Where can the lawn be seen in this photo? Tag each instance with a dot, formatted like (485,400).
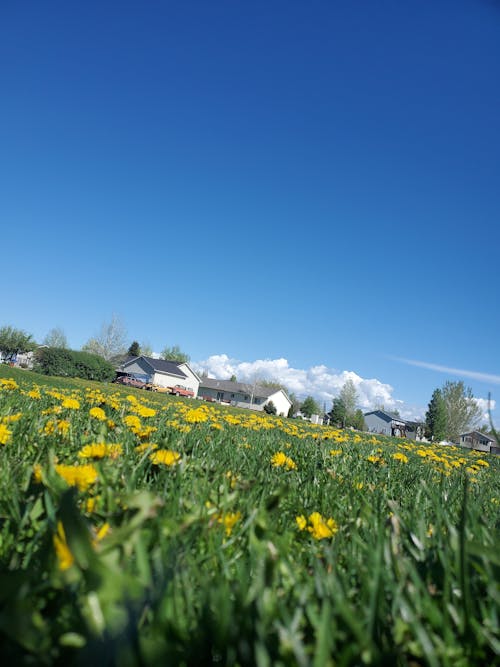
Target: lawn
(140,529)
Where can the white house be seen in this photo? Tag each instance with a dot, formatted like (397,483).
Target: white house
(243,395)
(478,440)
(161,372)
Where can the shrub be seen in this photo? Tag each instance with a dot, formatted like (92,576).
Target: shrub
(270,408)
(71,363)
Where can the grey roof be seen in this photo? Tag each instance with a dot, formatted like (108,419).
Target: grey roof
(160,365)
(483,435)
(237,387)
(385,413)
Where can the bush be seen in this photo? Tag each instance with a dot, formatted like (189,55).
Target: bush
(71,363)
(270,408)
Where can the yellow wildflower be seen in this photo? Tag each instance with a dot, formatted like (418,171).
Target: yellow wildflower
(196,415)
(146,446)
(335,452)
(399,456)
(8,384)
(165,457)
(64,555)
(143,411)
(79,476)
(5,434)
(99,450)
(9,419)
(63,426)
(281,460)
(37,473)
(71,404)
(97,413)
(229,520)
(319,527)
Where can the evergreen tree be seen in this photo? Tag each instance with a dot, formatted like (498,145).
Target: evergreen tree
(435,417)
(338,412)
(134,350)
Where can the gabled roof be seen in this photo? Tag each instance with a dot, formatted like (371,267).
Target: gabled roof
(159,365)
(229,386)
(389,415)
(480,433)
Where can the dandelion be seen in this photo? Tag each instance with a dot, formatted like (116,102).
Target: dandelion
(100,450)
(63,426)
(9,419)
(165,456)
(71,404)
(229,520)
(37,473)
(8,384)
(145,447)
(64,555)
(5,434)
(399,456)
(196,416)
(335,452)
(281,460)
(97,413)
(80,476)
(319,527)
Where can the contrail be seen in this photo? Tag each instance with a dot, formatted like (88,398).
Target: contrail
(474,375)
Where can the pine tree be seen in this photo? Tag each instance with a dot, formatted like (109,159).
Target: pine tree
(435,417)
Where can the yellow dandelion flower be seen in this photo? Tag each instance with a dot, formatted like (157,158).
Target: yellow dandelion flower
(143,411)
(165,457)
(9,419)
(281,460)
(301,522)
(8,384)
(335,452)
(146,446)
(196,416)
(71,404)
(80,476)
(321,529)
(37,473)
(97,413)
(64,555)
(482,462)
(399,456)
(99,450)
(229,520)
(63,426)
(5,434)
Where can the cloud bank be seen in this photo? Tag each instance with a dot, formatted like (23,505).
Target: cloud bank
(321,382)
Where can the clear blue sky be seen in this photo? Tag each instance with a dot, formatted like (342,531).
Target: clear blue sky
(317,181)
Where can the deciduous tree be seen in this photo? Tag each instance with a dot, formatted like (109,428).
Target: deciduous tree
(309,407)
(14,341)
(175,353)
(56,338)
(110,341)
(462,411)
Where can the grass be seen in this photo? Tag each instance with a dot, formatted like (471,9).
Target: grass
(220,557)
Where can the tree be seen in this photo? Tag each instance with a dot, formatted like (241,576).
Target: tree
(462,411)
(435,417)
(56,338)
(14,341)
(146,349)
(349,397)
(134,350)
(175,353)
(295,407)
(110,341)
(232,378)
(309,407)
(270,408)
(338,413)
(357,421)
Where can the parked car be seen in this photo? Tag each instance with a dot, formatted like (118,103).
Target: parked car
(156,387)
(180,390)
(129,381)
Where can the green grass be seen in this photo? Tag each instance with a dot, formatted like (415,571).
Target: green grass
(204,561)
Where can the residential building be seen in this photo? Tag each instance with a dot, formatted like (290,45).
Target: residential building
(161,372)
(388,423)
(479,441)
(243,395)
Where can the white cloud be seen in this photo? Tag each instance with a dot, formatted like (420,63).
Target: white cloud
(319,381)
(483,404)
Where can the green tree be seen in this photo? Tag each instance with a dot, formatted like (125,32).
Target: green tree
(232,378)
(309,407)
(134,350)
(110,341)
(146,349)
(349,397)
(175,353)
(338,413)
(270,408)
(14,341)
(357,421)
(295,407)
(56,338)
(435,417)
(462,411)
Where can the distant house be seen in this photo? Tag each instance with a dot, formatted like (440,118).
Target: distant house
(479,441)
(388,423)
(161,372)
(242,395)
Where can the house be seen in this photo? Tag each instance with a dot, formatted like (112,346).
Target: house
(161,372)
(242,395)
(479,441)
(388,423)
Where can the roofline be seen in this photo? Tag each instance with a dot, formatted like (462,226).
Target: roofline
(140,356)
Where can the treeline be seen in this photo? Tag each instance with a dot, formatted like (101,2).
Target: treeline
(71,363)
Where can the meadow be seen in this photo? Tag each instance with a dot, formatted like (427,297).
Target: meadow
(139,529)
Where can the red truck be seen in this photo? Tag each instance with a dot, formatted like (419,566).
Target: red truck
(180,390)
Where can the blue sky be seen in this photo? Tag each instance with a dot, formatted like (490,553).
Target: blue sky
(315,182)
